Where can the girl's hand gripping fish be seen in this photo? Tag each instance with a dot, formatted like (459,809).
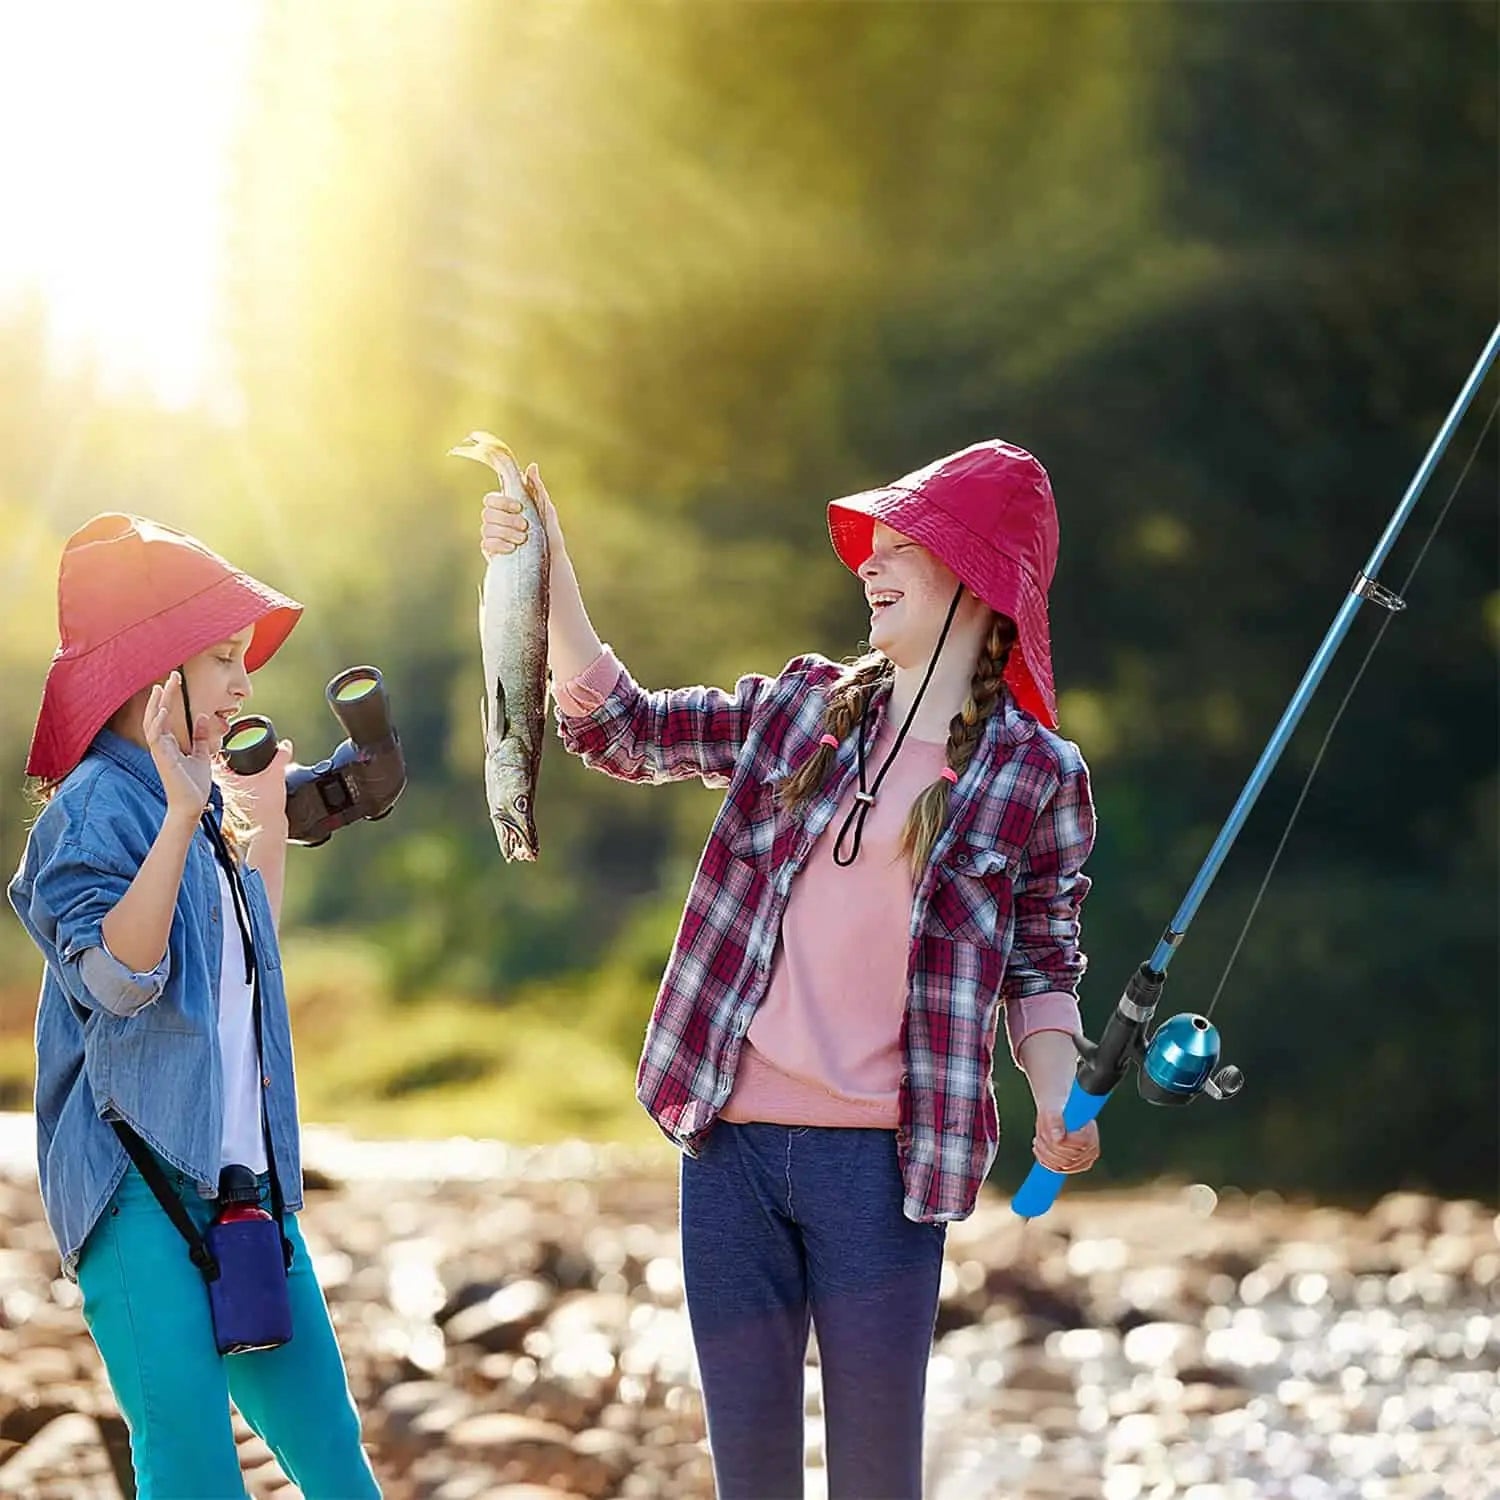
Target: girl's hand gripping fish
(513,605)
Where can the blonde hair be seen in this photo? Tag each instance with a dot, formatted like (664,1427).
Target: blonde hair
(846,703)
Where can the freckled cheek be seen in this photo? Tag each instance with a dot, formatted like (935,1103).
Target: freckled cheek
(926,599)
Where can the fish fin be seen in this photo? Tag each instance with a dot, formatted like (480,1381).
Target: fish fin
(500,708)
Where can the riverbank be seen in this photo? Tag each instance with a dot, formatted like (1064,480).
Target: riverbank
(512,1316)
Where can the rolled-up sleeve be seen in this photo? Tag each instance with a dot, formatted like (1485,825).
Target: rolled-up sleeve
(118,988)
(1055,1011)
(584,693)
(73,892)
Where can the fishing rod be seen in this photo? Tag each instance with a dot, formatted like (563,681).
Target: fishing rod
(1179,1059)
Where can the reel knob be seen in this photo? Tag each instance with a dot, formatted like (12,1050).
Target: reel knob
(1226,1083)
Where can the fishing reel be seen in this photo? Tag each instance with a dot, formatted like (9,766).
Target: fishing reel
(1181,1061)
(361,779)
(1177,1060)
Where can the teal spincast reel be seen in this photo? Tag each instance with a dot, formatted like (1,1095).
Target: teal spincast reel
(1182,1061)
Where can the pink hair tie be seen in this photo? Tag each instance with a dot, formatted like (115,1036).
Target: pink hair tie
(949,774)
(829,740)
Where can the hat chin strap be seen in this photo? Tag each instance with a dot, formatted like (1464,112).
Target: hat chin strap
(187,705)
(864,800)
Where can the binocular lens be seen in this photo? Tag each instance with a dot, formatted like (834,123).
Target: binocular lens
(357,698)
(250,745)
(356,688)
(240,740)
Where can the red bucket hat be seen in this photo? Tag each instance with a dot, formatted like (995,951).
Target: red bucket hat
(986,512)
(134,600)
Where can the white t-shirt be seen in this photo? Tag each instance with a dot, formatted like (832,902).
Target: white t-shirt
(243,1141)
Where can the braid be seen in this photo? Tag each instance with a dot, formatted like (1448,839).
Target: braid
(846,699)
(929,813)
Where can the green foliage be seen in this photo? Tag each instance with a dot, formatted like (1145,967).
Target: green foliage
(1221,267)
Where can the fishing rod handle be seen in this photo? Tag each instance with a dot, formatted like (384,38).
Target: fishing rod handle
(1040,1189)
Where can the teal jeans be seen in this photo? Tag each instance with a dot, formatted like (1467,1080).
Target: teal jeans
(147,1309)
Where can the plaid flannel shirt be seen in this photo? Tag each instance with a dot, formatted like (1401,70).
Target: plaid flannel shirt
(994,919)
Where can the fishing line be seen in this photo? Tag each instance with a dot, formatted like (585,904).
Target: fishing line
(1179,1059)
(1385,625)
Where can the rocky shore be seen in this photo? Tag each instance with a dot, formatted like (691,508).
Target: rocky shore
(514,1330)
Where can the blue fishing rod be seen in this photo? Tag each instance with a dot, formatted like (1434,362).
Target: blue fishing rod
(1179,1059)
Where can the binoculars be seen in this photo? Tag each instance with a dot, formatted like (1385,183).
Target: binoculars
(361,779)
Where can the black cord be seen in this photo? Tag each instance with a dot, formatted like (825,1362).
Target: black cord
(864,800)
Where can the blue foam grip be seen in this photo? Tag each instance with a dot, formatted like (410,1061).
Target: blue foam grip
(1040,1189)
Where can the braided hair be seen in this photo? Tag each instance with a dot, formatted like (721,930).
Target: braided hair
(847,699)
(929,813)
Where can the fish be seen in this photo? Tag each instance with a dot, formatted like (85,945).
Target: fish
(513,604)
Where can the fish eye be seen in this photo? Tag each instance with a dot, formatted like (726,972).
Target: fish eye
(522,802)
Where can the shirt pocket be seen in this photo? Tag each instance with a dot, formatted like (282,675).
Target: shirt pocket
(760,820)
(971,894)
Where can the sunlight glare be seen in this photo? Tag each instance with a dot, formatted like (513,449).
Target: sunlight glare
(116,123)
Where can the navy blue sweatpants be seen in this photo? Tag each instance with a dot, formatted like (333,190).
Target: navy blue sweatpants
(785,1225)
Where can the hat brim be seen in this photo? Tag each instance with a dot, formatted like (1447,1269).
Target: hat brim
(83,691)
(990,573)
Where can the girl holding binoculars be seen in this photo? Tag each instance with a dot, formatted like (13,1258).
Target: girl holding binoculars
(164,1051)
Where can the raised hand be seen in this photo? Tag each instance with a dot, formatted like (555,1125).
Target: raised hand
(186,776)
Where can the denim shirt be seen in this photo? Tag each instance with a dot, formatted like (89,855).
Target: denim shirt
(143,1048)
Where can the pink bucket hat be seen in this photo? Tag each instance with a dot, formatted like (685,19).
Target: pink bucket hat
(134,600)
(986,512)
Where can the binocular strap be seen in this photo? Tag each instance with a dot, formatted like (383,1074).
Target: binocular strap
(146,1164)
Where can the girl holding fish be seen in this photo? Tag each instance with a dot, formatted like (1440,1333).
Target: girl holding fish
(163,1044)
(897,863)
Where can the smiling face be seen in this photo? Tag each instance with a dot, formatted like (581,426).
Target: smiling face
(909,592)
(218,685)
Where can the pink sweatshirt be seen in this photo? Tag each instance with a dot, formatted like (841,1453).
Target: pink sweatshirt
(825,1045)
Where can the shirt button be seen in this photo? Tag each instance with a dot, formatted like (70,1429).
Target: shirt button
(213,916)
(265,1082)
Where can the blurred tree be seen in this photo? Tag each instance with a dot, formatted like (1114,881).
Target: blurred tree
(1221,267)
